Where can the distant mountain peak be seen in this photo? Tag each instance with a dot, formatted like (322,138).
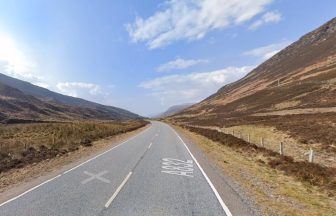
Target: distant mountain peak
(174,110)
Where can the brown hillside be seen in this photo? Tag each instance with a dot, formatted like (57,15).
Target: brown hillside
(294,92)
(15,106)
(305,70)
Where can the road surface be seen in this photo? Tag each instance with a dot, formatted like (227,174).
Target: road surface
(153,173)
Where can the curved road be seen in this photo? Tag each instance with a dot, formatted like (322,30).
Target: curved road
(153,173)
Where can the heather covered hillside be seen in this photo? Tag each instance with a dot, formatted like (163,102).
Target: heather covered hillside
(292,95)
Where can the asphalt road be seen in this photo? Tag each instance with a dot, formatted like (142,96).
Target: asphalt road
(152,173)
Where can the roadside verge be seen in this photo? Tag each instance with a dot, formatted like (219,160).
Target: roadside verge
(266,189)
(17,181)
(230,192)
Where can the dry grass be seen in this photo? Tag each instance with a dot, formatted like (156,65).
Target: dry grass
(313,174)
(298,111)
(296,148)
(16,181)
(29,143)
(272,138)
(286,104)
(275,192)
(317,129)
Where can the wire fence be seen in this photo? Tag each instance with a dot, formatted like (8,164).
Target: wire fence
(300,152)
(262,141)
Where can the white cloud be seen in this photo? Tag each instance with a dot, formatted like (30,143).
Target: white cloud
(192,20)
(42,84)
(78,89)
(269,17)
(102,94)
(14,61)
(180,63)
(175,89)
(268,51)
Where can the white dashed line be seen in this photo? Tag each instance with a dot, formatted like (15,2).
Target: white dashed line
(118,190)
(49,180)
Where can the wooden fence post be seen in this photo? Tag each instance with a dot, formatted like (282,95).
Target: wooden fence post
(262,141)
(281,151)
(248,137)
(311,156)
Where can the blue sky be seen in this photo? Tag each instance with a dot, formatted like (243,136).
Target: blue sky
(146,56)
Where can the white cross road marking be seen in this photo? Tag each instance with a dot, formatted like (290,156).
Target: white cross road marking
(96,176)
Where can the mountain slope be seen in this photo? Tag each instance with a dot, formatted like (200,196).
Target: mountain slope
(174,109)
(15,106)
(294,91)
(298,75)
(47,96)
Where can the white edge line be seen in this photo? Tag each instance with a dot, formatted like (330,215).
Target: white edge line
(115,194)
(30,190)
(219,198)
(73,168)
